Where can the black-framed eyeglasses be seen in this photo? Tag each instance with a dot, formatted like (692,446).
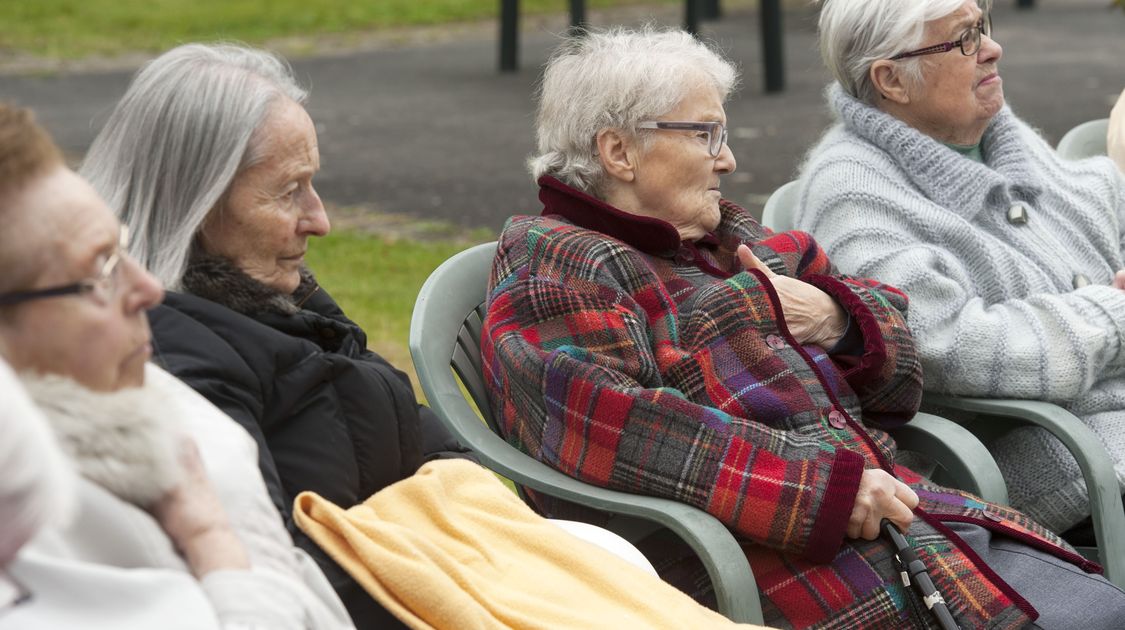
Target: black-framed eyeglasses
(716,132)
(102,286)
(12,593)
(969,43)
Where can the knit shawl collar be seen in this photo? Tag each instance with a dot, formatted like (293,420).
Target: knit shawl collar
(218,280)
(647,234)
(944,176)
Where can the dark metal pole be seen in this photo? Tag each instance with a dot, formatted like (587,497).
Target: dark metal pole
(577,17)
(711,10)
(691,16)
(772,49)
(509,35)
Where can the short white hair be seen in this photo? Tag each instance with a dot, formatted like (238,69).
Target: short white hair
(856,33)
(615,79)
(175,142)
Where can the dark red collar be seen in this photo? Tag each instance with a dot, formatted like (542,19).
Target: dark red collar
(651,236)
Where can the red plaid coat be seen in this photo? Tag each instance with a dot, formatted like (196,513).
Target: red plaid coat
(625,358)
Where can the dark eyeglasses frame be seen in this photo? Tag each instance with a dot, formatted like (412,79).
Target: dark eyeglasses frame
(713,129)
(77,288)
(973,34)
(22,594)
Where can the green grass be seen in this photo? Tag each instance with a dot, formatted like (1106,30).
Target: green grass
(77,28)
(375,280)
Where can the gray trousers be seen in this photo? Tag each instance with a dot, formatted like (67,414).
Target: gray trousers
(1066,597)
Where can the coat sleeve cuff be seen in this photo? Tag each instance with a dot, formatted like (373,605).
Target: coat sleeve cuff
(851,342)
(874,354)
(836,507)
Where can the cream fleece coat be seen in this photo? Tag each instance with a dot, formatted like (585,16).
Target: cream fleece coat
(115,568)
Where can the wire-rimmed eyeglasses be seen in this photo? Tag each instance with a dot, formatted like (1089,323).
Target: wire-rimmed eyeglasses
(716,132)
(969,43)
(102,286)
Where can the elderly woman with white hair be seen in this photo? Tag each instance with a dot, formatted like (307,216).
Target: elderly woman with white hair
(209,159)
(646,335)
(1012,257)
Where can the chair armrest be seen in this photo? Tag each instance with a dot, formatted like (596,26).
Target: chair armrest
(965,459)
(1097,467)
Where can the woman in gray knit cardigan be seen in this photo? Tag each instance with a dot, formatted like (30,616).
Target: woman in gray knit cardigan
(1012,257)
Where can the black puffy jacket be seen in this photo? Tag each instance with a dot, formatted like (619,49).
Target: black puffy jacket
(328,414)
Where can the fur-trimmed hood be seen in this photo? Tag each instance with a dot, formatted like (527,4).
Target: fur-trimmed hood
(124,441)
(218,280)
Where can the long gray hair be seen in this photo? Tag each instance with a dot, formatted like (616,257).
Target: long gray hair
(177,139)
(614,80)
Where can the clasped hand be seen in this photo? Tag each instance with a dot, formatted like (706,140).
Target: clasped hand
(811,315)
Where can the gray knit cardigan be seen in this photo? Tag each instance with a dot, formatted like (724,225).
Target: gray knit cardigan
(999,307)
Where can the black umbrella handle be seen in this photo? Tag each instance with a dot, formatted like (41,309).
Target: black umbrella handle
(914,572)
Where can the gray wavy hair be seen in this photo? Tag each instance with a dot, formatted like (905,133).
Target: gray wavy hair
(175,142)
(615,79)
(856,33)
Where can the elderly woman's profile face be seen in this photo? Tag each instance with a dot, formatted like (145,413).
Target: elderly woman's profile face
(98,337)
(676,178)
(272,209)
(958,94)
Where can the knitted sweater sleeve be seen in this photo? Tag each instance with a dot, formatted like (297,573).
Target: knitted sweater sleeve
(1042,346)
(576,379)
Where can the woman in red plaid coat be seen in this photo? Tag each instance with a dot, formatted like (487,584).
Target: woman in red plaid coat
(645,335)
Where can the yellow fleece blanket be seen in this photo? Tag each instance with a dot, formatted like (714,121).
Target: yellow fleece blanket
(452,547)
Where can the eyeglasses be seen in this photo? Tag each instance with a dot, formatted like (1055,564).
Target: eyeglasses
(12,593)
(969,42)
(103,287)
(714,132)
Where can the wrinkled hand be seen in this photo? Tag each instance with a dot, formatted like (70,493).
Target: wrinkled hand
(195,520)
(880,496)
(812,316)
(1115,138)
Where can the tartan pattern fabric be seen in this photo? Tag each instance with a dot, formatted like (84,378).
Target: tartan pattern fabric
(673,374)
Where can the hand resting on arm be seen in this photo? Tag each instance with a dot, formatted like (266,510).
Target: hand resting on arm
(812,316)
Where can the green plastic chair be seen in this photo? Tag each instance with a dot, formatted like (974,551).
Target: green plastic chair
(1085,140)
(445,340)
(778,213)
(989,418)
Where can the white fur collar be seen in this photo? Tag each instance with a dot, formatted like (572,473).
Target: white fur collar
(123,441)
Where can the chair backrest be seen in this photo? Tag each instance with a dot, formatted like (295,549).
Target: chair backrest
(778,213)
(1085,140)
(445,332)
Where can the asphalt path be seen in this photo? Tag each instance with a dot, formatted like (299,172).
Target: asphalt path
(432,130)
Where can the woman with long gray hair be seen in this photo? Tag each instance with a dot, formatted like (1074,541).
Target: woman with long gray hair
(209,160)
